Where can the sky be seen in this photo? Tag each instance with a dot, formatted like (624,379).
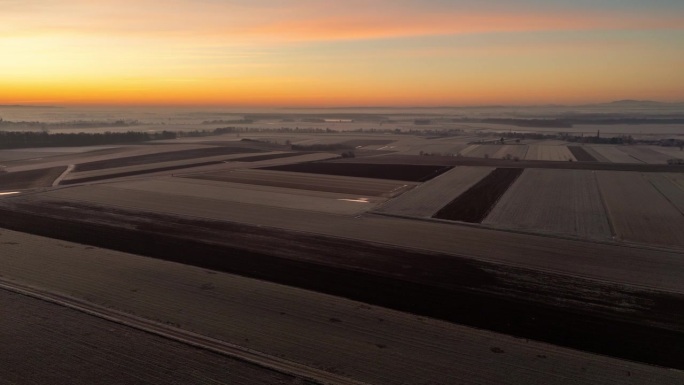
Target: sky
(325,53)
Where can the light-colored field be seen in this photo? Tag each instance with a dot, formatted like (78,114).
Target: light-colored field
(645,154)
(484,151)
(367,343)
(667,185)
(593,152)
(44,343)
(514,150)
(211,193)
(556,201)
(615,155)
(638,212)
(65,159)
(669,152)
(426,199)
(316,182)
(549,152)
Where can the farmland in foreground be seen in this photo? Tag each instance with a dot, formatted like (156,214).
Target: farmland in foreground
(328,332)
(44,343)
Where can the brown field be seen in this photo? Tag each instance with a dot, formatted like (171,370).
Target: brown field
(320,330)
(161,157)
(514,150)
(557,201)
(595,154)
(484,150)
(474,204)
(638,212)
(315,182)
(405,172)
(615,155)
(553,153)
(670,152)
(259,158)
(220,195)
(669,188)
(21,180)
(426,199)
(645,154)
(44,343)
(581,154)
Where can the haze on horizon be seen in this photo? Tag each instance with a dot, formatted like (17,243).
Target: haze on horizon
(266,53)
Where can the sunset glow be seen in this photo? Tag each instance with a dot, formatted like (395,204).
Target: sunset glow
(324,53)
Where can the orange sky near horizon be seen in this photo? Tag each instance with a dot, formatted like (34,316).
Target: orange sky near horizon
(318,53)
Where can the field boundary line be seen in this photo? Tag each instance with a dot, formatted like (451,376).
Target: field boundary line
(66,172)
(182,336)
(609,214)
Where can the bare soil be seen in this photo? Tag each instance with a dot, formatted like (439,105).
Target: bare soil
(597,316)
(163,157)
(581,154)
(405,172)
(473,205)
(21,180)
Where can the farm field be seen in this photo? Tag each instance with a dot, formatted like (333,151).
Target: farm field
(615,155)
(594,153)
(645,154)
(44,343)
(404,172)
(670,152)
(219,195)
(474,204)
(315,182)
(513,150)
(327,332)
(669,187)
(483,151)
(426,199)
(549,153)
(556,201)
(638,212)
(581,154)
(29,179)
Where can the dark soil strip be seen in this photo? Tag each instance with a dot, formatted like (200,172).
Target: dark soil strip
(581,154)
(162,157)
(367,142)
(604,318)
(473,205)
(406,172)
(257,158)
(134,173)
(30,179)
(491,162)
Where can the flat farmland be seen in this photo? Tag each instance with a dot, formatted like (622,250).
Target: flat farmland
(555,201)
(215,194)
(595,154)
(474,204)
(319,330)
(638,211)
(428,198)
(670,152)
(554,153)
(44,343)
(362,187)
(645,154)
(484,150)
(581,154)
(514,150)
(615,155)
(405,172)
(667,185)
(20,180)
(160,157)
